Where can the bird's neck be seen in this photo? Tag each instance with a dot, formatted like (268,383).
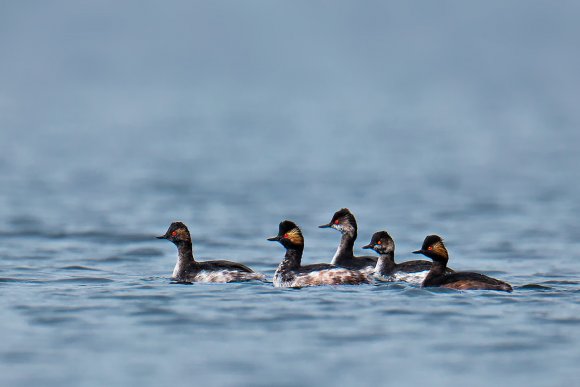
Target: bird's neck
(437,271)
(385,264)
(184,258)
(292,259)
(345,250)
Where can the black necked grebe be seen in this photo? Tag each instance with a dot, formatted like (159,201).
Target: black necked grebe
(343,220)
(188,269)
(290,273)
(410,271)
(434,248)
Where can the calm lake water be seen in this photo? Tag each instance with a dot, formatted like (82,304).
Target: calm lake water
(455,119)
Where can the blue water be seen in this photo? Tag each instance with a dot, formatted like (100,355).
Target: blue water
(452,118)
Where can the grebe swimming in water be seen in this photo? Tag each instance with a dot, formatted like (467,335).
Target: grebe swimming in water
(434,248)
(290,273)
(343,220)
(410,271)
(187,269)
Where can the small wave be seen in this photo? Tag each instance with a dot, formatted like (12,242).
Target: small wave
(175,320)
(53,320)
(110,259)
(19,280)
(155,311)
(398,312)
(381,286)
(344,338)
(82,280)
(422,292)
(509,347)
(25,268)
(79,267)
(534,287)
(149,297)
(143,252)
(564,320)
(7,279)
(561,282)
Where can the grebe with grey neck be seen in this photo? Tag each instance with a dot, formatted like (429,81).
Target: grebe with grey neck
(343,220)
(434,248)
(187,269)
(291,273)
(387,269)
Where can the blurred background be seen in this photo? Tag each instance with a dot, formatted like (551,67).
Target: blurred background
(321,99)
(450,117)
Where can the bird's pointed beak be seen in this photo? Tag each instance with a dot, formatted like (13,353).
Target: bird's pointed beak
(328,225)
(274,239)
(369,246)
(418,252)
(161,237)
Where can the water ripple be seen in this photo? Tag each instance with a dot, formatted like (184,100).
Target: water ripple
(79,267)
(81,280)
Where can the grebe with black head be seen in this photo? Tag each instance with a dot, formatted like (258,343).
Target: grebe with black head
(291,273)
(343,220)
(387,269)
(434,248)
(187,269)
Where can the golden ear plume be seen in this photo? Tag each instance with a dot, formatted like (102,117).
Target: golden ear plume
(295,236)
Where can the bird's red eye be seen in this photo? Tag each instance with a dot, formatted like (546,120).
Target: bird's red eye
(379,242)
(336,221)
(285,236)
(174,233)
(430,248)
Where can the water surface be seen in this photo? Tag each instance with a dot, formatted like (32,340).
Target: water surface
(455,119)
